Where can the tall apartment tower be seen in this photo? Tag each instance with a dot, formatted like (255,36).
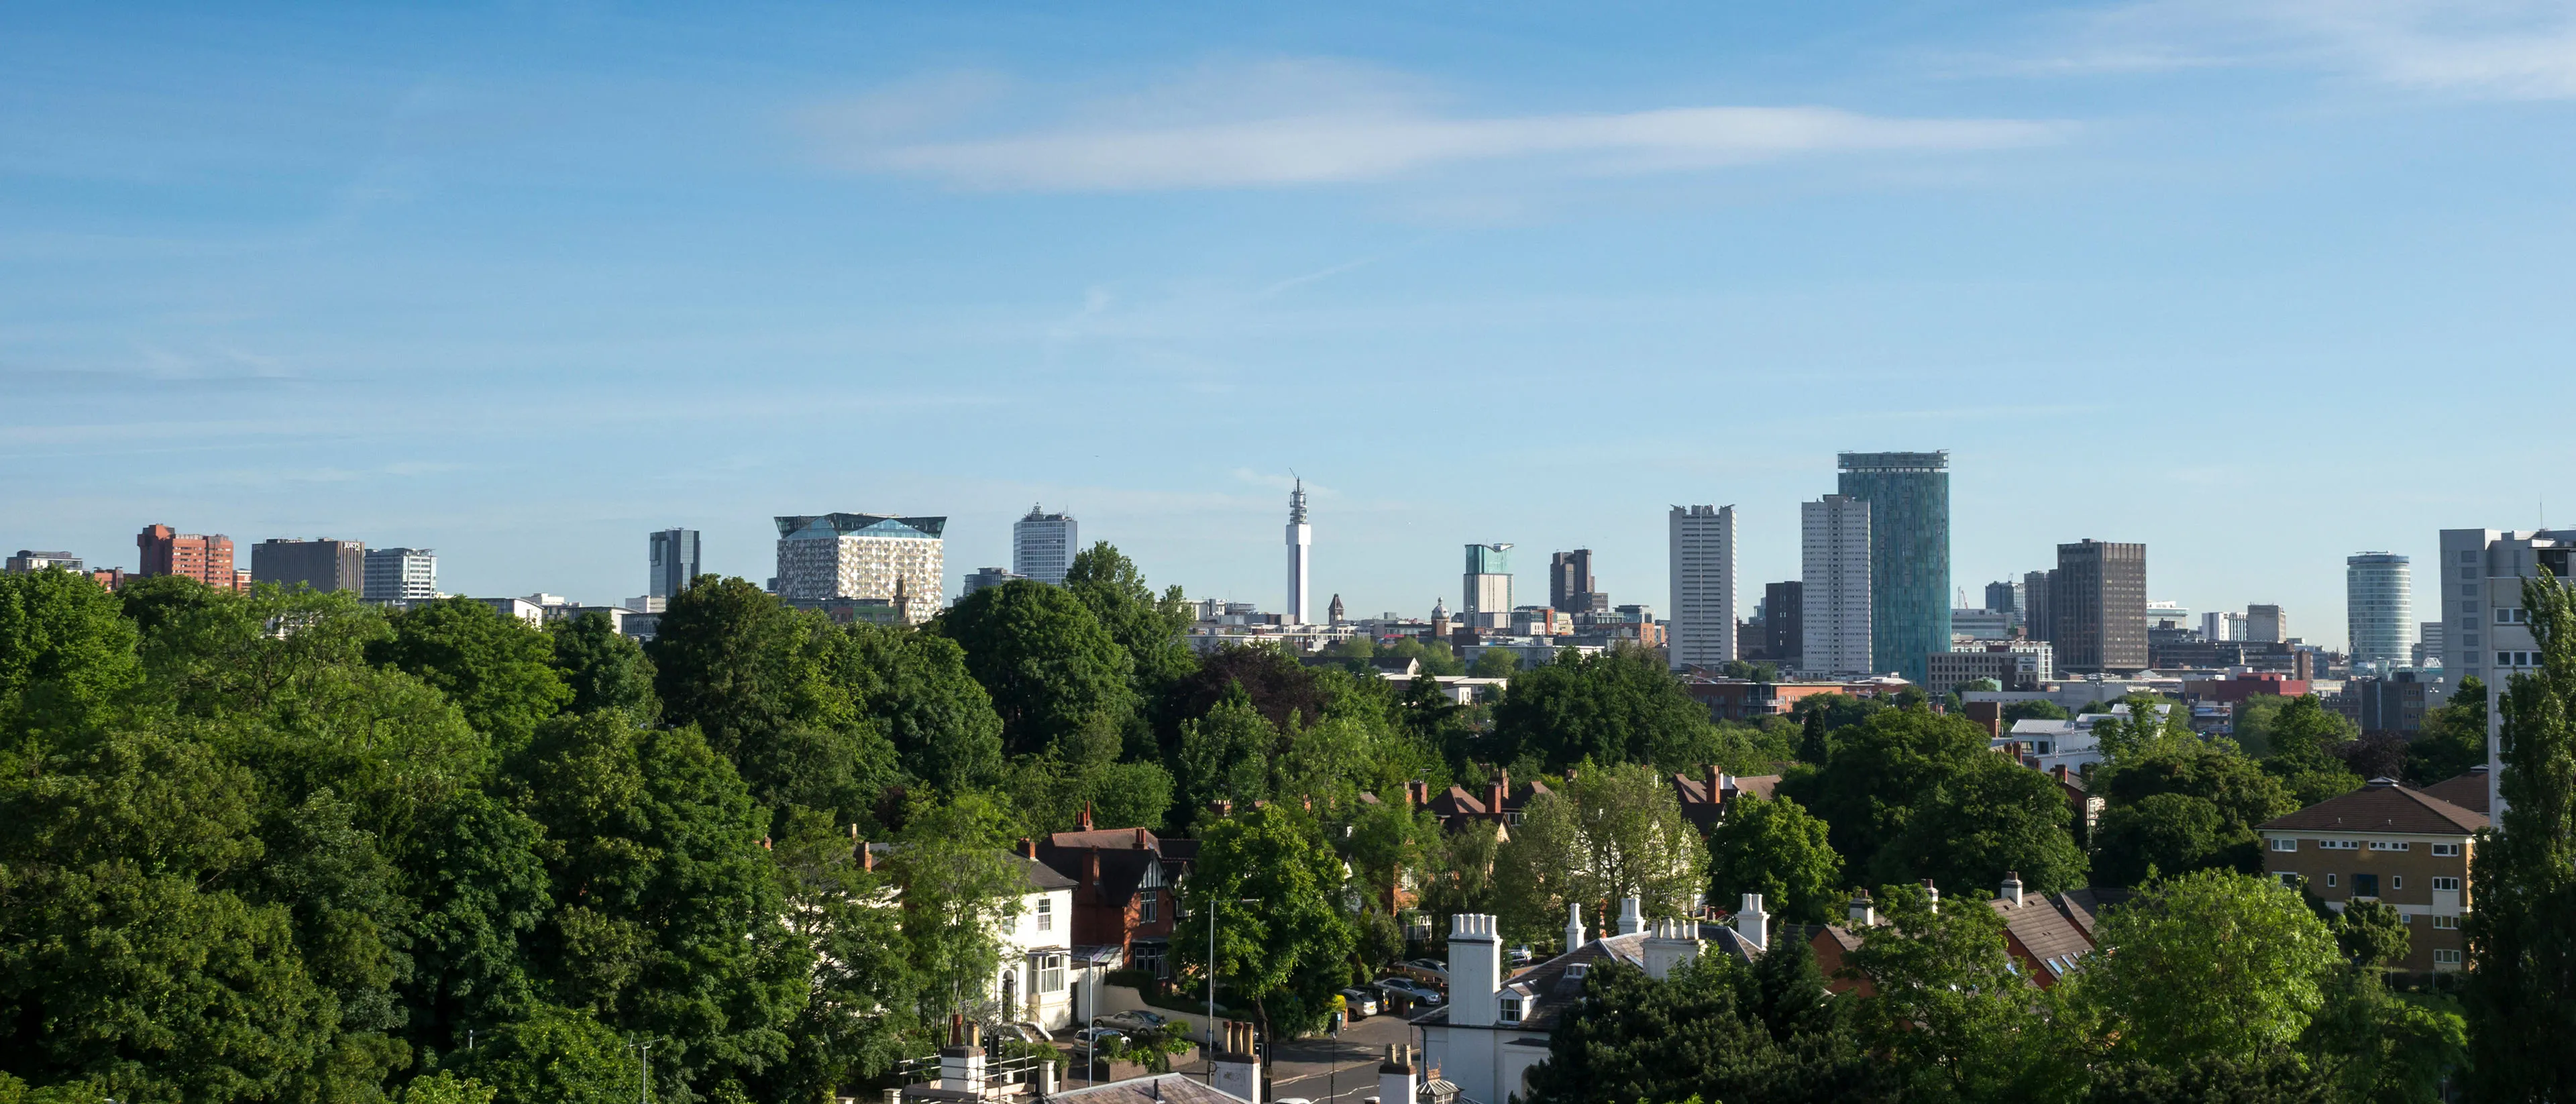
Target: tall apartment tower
(402,574)
(2003,597)
(207,559)
(2379,607)
(323,565)
(675,562)
(2267,624)
(2478,590)
(2036,612)
(1835,605)
(1569,583)
(1784,624)
(1909,557)
(1700,631)
(2098,594)
(827,556)
(1043,546)
(1488,586)
(1301,541)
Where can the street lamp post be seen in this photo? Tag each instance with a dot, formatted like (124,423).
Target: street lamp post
(1207,1050)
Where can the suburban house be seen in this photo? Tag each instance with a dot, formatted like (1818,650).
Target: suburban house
(1704,799)
(2046,934)
(1495,1027)
(2385,842)
(1037,977)
(1125,892)
(1500,802)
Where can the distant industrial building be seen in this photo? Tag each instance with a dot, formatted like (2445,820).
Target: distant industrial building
(675,563)
(1909,530)
(401,574)
(1043,546)
(2098,596)
(1835,605)
(900,560)
(1700,629)
(323,565)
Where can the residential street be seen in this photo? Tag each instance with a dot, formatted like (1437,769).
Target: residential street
(1345,1069)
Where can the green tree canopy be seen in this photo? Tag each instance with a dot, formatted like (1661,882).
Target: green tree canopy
(496,668)
(1052,671)
(2454,739)
(2161,835)
(1880,769)
(1701,1033)
(604,669)
(1948,1004)
(1286,955)
(1776,849)
(2208,964)
(940,720)
(1622,706)
(1147,626)
(2037,709)
(1226,755)
(2522,935)
(1610,834)
(1495,663)
(67,655)
(1991,817)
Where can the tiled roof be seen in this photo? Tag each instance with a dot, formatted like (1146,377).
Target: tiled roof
(1040,875)
(2382,806)
(2049,935)
(1132,838)
(2470,791)
(2084,906)
(1121,870)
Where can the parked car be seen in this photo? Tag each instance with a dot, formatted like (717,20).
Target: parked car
(1409,989)
(1137,1022)
(1359,1003)
(1098,1036)
(1429,970)
(1519,956)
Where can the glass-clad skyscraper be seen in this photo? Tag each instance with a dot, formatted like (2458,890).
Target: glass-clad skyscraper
(1909,554)
(675,562)
(2379,607)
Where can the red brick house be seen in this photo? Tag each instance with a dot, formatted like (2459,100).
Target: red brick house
(1126,888)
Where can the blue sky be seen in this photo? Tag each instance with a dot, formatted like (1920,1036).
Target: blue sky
(2261,283)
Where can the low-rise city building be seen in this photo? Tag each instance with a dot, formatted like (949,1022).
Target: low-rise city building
(2402,847)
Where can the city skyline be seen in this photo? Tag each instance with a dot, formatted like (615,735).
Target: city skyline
(225,260)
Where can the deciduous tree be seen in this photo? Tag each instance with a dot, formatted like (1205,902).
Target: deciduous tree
(1772,847)
(2522,935)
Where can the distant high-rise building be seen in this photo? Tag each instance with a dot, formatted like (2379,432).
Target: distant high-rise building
(675,563)
(26,561)
(1488,586)
(2098,594)
(1700,630)
(207,559)
(401,574)
(2430,642)
(1301,541)
(826,556)
(324,565)
(2003,597)
(1909,559)
(1783,624)
(986,578)
(1043,546)
(2266,624)
(1569,582)
(2379,605)
(2478,589)
(1835,604)
(2035,611)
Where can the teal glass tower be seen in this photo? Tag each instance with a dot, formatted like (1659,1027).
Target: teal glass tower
(1909,554)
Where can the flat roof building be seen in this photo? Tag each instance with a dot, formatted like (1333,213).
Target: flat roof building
(1909,557)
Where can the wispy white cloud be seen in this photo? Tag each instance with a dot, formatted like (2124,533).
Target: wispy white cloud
(2518,49)
(1292,124)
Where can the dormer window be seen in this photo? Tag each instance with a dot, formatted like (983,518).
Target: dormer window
(1577,970)
(1510,1008)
